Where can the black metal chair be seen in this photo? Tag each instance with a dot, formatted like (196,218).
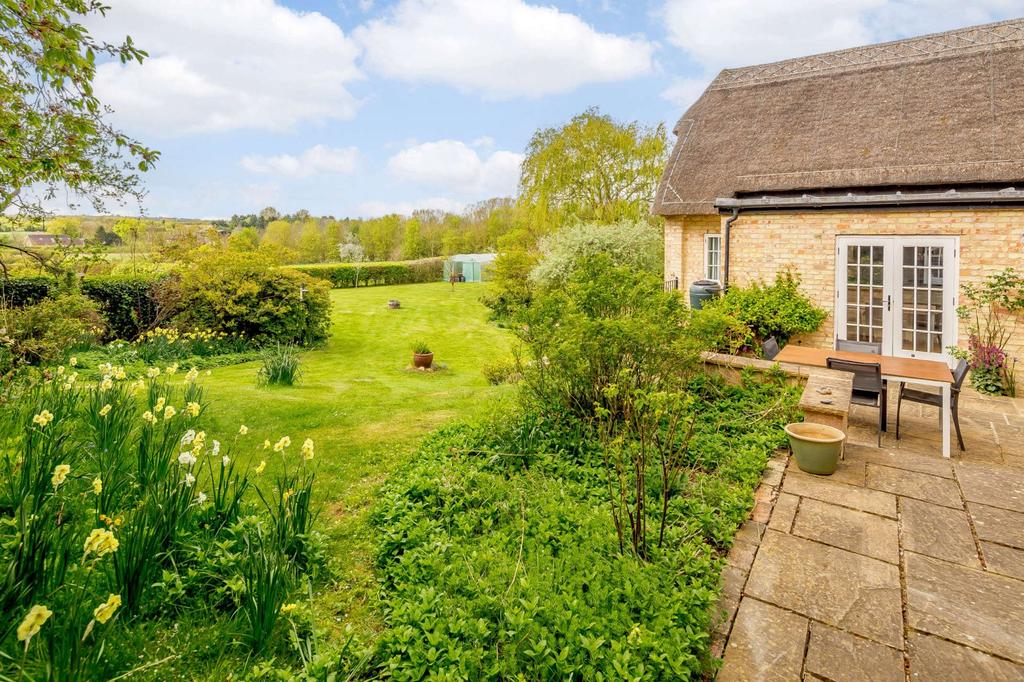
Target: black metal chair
(874,347)
(868,387)
(770,348)
(926,398)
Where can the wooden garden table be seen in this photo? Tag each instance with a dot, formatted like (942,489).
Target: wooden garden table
(905,370)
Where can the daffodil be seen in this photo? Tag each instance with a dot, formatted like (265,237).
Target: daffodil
(60,370)
(188,437)
(280,445)
(261,467)
(33,622)
(242,430)
(147,416)
(215,450)
(287,493)
(73,361)
(60,474)
(172,369)
(97,485)
(225,460)
(43,418)
(169,412)
(192,375)
(105,410)
(307,449)
(288,608)
(186,459)
(100,542)
(153,372)
(266,443)
(107,383)
(192,409)
(189,479)
(105,611)
(160,402)
(201,498)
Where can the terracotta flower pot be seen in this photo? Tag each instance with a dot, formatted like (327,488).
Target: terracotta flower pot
(422,360)
(816,447)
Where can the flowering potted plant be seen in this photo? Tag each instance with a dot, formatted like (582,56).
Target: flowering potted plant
(422,358)
(991,312)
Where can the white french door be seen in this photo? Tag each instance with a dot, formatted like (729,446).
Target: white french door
(899,292)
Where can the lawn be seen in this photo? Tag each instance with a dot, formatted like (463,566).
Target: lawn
(366,411)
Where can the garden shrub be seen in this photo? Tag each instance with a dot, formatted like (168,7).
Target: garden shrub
(349,275)
(509,289)
(47,331)
(779,309)
(118,513)
(628,244)
(280,366)
(243,294)
(501,372)
(127,302)
(498,555)
(720,331)
(27,290)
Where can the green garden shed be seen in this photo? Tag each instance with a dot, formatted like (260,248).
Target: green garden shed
(468,267)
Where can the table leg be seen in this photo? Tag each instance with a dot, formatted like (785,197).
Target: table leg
(945,419)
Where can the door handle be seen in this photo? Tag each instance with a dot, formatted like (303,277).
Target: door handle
(888,303)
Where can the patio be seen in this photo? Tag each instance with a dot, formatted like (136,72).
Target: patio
(900,566)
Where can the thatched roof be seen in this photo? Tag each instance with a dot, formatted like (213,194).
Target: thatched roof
(939,110)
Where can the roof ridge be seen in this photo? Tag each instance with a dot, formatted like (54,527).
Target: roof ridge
(955,42)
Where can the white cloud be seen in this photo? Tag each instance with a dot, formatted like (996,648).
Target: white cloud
(500,48)
(683,92)
(731,33)
(226,65)
(458,168)
(375,209)
(317,160)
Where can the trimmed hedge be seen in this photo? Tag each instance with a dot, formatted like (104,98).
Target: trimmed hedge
(349,275)
(127,302)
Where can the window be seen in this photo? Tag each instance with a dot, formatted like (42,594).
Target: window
(713,257)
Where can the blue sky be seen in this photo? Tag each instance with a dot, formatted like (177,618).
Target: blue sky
(363,107)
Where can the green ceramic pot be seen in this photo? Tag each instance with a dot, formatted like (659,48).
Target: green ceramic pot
(816,447)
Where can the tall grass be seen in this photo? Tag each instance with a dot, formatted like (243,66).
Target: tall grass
(280,366)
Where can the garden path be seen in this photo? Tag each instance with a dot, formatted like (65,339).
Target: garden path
(900,566)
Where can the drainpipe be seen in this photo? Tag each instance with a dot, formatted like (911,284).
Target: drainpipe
(725,247)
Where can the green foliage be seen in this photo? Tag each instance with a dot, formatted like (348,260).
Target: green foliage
(992,309)
(509,289)
(280,366)
(347,275)
(720,331)
(420,348)
(47,331)
(779,309)
(128,303)
(243,294)
(501,372)
(20,291)
(593,168)
(498,556)
(608,325)
(627,243)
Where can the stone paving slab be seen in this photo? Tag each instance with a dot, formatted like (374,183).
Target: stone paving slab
(847,590)
(936,660)
(856,531)
(767,643)
(914,484)
(1001,487)
(935,466)
(1008,561)
(849,471)
(976,608)
(938,532)
(998,525)
(784,512)
(839,656)
(820,488)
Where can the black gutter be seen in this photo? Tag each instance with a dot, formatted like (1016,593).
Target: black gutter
(1010,195)
(725,247)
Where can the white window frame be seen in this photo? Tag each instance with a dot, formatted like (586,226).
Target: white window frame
(707,253)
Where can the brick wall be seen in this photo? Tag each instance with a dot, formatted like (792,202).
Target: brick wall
(765,243)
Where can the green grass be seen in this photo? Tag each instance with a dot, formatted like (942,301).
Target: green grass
(366,411)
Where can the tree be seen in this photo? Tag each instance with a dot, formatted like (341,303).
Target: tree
(269,214)
(246,239)
(55,135)
(593,168)
(69,226)
(129,230)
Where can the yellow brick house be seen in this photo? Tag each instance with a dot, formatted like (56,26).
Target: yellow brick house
(886,176)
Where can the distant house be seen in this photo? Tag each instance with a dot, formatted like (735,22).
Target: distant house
(885,175)
(45,239)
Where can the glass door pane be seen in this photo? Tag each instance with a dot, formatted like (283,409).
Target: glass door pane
(923,298)
(865,292)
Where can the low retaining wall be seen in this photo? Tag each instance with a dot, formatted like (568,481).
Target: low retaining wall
(826,395)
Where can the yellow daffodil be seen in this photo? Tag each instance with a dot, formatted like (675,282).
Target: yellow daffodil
(307,449)
(105,410)
(160,402)
(261,467)
(153,372)
(171,369)
(105,611)
(242,430)
(73,361)
(120,374)
(280,445)
(60,474)
(107,383)
(287,493)
(43,418)
(147,416)
(33,622)
(100,542)
(60,370)
(169,412)
(192,375)
(192,409)
(288,608)
(266,444)
(97,485)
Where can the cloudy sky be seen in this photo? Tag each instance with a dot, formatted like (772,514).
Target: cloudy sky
(363,107)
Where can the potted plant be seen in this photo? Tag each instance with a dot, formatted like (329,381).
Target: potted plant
(816,447)
(422,358)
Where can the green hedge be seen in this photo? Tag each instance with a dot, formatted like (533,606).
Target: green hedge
(127,302)
(348,275)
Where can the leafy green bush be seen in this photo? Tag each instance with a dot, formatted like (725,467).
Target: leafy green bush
(242,294)
(628,244)
(501,372)
(280,366)
(46,331)
(720,331)
(349,275)
(127,302)
(509,289)
(779,309)
(20,291)
(498,555)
